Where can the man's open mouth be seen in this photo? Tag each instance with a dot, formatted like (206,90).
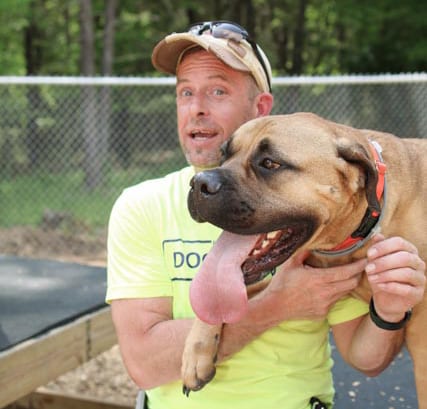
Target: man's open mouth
(202,134)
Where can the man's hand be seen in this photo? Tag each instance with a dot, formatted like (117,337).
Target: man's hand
(396,274)
(310,292)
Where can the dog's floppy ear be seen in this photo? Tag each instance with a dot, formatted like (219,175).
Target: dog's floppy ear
(356,153)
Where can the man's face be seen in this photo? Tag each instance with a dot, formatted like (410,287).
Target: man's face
(213,100)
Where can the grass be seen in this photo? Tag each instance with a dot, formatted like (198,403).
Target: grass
(24,199)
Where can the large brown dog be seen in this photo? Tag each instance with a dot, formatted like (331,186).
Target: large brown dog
(316,185)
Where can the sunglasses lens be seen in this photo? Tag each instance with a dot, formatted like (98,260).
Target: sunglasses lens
(220,29)
(229,31)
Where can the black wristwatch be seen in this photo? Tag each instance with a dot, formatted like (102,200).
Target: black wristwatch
(389,326)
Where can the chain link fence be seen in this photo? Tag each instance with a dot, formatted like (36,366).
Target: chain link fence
(68,146)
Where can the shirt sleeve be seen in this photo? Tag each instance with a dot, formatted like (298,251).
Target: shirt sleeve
(135,262)
(347,309)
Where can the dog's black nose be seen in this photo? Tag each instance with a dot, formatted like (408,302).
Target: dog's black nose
(208,182)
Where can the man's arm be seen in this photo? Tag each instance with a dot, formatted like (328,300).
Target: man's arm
(397,278)
(366,347)
(152,343)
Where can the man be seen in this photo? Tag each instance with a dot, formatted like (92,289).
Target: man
(277,356)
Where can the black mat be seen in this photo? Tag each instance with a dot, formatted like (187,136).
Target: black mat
(393,389)
(38,295)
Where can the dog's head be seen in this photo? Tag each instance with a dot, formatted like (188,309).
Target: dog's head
(298,181)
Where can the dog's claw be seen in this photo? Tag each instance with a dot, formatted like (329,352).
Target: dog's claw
(200,384)
(186,391)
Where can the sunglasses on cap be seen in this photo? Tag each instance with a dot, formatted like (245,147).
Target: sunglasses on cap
(232,31)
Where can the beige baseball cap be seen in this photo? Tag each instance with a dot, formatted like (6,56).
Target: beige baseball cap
(239,55)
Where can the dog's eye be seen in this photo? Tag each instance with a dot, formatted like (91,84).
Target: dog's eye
(270,164)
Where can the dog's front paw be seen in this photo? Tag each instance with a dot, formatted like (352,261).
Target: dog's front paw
(196,378)
(199,357)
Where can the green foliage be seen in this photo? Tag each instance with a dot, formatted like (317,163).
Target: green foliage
(66,192)
(42,37)
(13,19)
(346,36)
(383,36)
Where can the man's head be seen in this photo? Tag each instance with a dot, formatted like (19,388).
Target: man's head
(223,80)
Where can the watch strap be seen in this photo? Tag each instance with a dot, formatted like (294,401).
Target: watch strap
(389,326)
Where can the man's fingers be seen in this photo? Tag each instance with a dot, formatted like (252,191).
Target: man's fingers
(389,246)
(343,273)
(404,275)
(395,260)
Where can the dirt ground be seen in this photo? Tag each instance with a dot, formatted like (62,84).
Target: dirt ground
(104,377)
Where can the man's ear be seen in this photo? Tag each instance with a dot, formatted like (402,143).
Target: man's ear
(264,104)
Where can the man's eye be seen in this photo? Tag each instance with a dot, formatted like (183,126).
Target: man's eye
(185,93)
(270,164)
(218,92)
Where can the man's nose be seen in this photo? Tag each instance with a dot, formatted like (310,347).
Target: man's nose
(199,105)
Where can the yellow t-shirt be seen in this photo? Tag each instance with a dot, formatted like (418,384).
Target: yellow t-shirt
(155,248)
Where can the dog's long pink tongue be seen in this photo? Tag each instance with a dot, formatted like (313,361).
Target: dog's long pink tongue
(218,292)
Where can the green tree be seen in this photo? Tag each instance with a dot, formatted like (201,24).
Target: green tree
(300,36)
(13,19)
(382,36)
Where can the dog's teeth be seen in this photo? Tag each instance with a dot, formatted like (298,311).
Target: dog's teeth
(273,234)
(255,252)
(265,244)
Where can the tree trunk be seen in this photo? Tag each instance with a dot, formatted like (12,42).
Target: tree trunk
(87,53)
(250,15)
(91,134)
(299,39)
(33,37)
(104,110)
(109,30)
